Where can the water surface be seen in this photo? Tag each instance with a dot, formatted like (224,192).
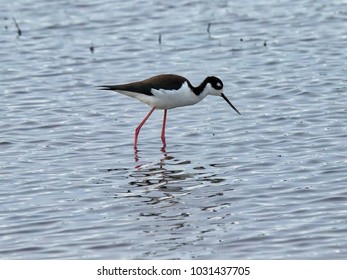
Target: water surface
(270,184)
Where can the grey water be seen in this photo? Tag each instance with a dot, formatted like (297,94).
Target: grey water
(270,184)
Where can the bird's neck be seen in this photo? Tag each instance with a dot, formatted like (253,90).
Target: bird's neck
(200,90)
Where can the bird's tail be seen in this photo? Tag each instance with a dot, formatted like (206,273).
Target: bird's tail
(107,87)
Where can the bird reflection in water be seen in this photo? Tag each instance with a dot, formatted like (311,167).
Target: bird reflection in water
(162,149)
(166,180)
(157,175)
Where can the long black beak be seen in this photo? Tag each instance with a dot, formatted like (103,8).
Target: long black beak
(232,106)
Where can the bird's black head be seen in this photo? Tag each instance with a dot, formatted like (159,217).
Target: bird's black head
(215,87)
(215,82)
(212,86)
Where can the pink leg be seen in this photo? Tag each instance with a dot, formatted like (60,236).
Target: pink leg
(137,130)
(163,130)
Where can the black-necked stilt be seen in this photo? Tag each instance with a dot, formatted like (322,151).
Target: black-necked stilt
(168,91)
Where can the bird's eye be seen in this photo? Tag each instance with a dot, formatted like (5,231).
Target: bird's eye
(219,85)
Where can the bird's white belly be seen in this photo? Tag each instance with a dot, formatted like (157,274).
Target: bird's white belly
(168,99)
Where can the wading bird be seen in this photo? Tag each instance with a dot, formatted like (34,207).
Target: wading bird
(168,91)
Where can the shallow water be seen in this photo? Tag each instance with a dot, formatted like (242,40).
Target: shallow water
(270,184)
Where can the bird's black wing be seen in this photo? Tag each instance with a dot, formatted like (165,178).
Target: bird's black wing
(132,87)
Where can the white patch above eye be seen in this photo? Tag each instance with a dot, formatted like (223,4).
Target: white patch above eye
(219,85)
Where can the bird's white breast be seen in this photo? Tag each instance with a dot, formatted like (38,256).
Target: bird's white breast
(168,99)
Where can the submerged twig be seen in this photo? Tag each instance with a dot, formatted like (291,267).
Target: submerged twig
(91,48)
(208,27)
(19,31)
